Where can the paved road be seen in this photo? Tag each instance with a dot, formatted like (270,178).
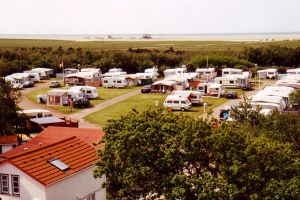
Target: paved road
(27,104)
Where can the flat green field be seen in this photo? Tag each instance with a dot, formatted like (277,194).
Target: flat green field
(142,102)
(203,46)
(105,94)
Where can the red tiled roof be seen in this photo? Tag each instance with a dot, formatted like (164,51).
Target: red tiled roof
(10,139)
(72,151)
(54,134)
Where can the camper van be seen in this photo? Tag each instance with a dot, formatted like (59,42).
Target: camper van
(114,82)
(206,73)
(36,113)
(236,81)
(177,103)
(87,91)
(231,71)
(193,96)
(211,89)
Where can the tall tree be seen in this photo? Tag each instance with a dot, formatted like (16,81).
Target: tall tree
(158,154)
(11,121)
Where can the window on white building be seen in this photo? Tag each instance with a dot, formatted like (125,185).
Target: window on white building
(4,184)
(15,185)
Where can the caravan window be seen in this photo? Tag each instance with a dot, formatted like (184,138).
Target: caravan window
(220,82)
(231,82)
(226,72)
(105,81)
(183,102)
(207,72)
(200,88)
(114,81)
(89,92)
(176,101)
(119,81)
(169,101)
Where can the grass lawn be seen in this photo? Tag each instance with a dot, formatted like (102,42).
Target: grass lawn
(105,94)
(142,102)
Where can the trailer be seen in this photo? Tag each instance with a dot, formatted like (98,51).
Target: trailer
(206,73)
(233,81)
(114,82)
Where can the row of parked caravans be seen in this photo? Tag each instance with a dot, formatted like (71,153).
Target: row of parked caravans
(59,97)
(28,78)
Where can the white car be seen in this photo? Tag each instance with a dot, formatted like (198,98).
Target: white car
(177,103)
(54,84)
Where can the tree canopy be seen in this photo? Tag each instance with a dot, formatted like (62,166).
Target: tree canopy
(157,154)
(10,121)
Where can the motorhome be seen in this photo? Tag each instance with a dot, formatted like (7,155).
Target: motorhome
(36,113)
(174,71)
(231,71)
(232,81)
(193,96)
(114,82)
(87,91)
(206,73)
(175,102)
(293,71)
(211,89)
(269,99)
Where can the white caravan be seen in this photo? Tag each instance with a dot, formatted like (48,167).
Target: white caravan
(262,73)
(206,73)
(34,76)
(284,95)
(211,89)
(114,82)
(181,82)
(175,71)
(177,103)
(236,81)
(193,96)
(88,91)
(19,79)
(293,71)
(269,99)
(36,113)
(44,73)
(290,81)
(153,72)
(231,71)
(272,73)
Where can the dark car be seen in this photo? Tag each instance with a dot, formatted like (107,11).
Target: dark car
(231,95)
(247,87)
(82,102)
(146,89)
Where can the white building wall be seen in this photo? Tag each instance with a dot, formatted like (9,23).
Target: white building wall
(77,187)
(6,148)
(30,189)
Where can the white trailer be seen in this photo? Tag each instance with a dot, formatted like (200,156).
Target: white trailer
(231,71)
(289,81)
(34,76)
(272,73)
(175,71)
(206,73)
(234,81)
(262,73)
(193,96)
(181,82)
(114,82)
(211,89)
(177,103)
(293,71)
(269,99)
(89,92)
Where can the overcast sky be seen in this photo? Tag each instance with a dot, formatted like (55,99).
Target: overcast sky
(148,16)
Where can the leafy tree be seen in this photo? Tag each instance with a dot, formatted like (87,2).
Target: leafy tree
(10,121)
(158,154)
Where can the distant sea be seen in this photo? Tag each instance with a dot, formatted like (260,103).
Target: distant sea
(203,36)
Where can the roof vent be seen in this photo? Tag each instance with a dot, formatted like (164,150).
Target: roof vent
(25,149)
(40,143)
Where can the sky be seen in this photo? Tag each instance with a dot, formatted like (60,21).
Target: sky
(148,16)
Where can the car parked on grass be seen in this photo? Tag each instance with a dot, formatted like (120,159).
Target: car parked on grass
(54,84)
(82,102)
(231,94)
(146,89)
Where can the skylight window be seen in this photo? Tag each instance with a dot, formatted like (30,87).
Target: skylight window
(59,164)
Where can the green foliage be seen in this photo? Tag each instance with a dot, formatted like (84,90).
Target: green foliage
(160,154)
(10,121)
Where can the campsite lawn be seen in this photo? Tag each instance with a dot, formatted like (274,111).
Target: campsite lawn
(142,102)
(105,94)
